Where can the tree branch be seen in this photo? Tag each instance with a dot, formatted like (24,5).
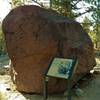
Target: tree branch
(87,11)
(38,3)
(76,3)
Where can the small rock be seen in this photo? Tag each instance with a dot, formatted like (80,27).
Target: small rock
(65,93)
(7,66)
(79,92)
(8,89)
(96,72)
(2,71)
(92,71)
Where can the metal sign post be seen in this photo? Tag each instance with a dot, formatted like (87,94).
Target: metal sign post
(46,88)
(69,89)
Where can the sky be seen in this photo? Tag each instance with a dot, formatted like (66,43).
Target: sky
(5,8)
(84,6)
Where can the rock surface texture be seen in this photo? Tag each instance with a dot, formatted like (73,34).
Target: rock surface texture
(34,36)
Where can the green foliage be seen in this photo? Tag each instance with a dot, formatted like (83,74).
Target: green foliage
(94,33)
(2,43)
(16,3)
(63,7)
(86,24)
(96,9)
(97,31)
(93,36)
(68,8)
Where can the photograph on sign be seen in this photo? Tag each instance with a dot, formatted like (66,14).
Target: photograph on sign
(60,67)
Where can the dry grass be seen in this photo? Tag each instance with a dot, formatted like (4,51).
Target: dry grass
(2,96)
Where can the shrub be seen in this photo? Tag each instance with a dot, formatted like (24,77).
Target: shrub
(2,43)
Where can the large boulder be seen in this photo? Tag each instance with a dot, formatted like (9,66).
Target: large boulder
(34,36)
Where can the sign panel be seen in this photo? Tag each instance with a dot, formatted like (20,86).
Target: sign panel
(61,68)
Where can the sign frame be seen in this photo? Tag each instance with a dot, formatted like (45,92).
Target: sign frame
(70,69)
(69,77)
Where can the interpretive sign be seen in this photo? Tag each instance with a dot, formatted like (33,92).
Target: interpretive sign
(61,68)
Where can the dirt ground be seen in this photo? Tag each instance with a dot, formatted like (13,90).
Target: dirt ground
(88,89)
